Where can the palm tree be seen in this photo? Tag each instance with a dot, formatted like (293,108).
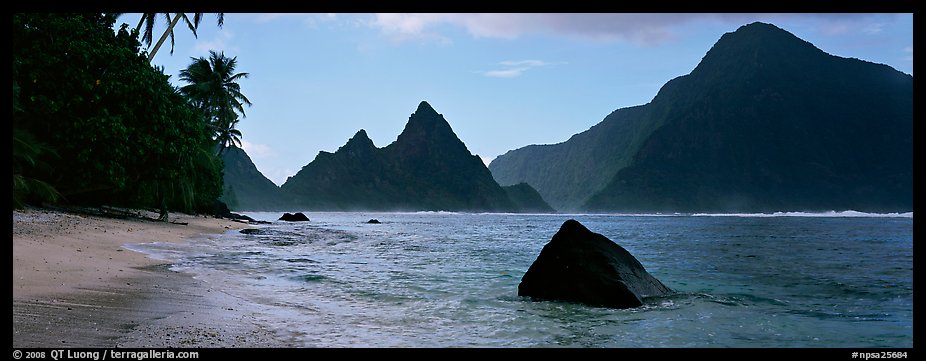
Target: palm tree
(148,19)
(226,135)
(197,17)
(212,86)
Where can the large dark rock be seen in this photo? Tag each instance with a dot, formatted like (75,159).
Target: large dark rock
(579,265)
(220,210)
(297,217)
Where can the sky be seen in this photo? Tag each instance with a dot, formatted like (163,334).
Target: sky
(502,81)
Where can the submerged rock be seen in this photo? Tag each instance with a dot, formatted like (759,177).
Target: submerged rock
(578,265)
(373,221)
(297,217)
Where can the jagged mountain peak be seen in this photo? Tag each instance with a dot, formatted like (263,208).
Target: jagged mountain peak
(762,35)
(765,122)
(426,132)
(425,109)
(361,135)
(426,168)
(360,141)
(759,46)
(426,119)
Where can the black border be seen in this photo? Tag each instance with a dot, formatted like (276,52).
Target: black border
(807,6)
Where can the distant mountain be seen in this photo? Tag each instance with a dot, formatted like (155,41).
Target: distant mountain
(568,173)
(765,122)
(426,168)
(527,199)
(246,188)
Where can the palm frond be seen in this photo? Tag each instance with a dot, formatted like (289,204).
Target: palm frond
(192,25)
(25,188)
(212,85)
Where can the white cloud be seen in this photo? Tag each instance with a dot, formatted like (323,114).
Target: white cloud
(403,27)
(515,68)
(257,151)
(838,28)
(632,27)
(506,73)
(406,23)
(508,26)
(529,63)
(636,28)
(505,26)
(219,43)
(267,17)
(315,20)
(308,19)
(849,24)
(873,28)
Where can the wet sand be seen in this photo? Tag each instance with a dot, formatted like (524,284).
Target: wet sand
(75,286)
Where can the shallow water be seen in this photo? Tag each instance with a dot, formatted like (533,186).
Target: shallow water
(449,280)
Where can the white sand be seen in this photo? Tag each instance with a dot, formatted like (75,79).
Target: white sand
(74,285)
(55,252)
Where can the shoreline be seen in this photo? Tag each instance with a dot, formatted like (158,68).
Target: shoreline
(75,285)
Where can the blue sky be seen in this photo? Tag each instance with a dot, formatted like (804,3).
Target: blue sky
(502,81)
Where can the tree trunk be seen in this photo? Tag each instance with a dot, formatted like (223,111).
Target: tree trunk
(162,195)
(163,211)
(169,30)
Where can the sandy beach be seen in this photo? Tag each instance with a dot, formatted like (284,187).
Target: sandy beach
(74,285)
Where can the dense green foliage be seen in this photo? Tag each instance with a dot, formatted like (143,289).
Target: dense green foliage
(246,188)
(26,158)
(527,199)
(766,122)
(117,131)
(568,173)
(426,168)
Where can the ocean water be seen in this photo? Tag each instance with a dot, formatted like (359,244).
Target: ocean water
(450,280)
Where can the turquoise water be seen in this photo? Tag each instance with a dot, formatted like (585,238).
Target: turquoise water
(450,280)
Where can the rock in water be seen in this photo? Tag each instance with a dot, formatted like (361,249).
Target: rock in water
(298,217)
(373,221)
(220,210)
(579,265)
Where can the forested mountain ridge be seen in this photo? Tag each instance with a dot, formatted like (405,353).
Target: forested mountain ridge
(426,168)
(765,122)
